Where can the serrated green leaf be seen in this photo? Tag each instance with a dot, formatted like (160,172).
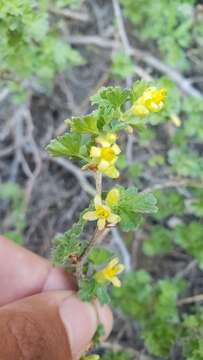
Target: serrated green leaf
(189,237)
(85,125)
(68,244)
(160,241)
(138,88)
(99,256)
(68,145)
(87,289)
(131,205)
(114,96)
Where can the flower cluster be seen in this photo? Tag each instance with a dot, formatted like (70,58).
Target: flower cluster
(103,211)
(105,155)
(152,100)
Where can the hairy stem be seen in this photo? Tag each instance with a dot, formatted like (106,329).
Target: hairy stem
(98,235)
(98,182)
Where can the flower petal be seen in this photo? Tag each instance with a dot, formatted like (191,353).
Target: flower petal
(119,268)
(139,110)
(113,218)
(112,172)
(97,200)
(116,282)
(103,165)
(90,216)
(106,140)
(113,262)
(116,149)
(113,197)
(101,223)
(95,152)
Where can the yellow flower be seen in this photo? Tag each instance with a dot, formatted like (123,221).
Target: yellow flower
(108,274)
(105,156)
(152,100)
(102,213)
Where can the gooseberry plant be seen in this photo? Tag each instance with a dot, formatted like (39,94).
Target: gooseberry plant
(94,140)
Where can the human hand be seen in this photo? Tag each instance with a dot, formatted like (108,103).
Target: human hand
(41,317)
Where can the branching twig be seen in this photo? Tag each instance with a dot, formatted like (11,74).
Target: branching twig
(79,174)
(96,239)
(70,14)
(174,183)
(121,28)
(143,56)
(187,269)
(190,300)
(123,34)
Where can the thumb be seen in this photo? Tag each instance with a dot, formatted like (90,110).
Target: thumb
(50,326)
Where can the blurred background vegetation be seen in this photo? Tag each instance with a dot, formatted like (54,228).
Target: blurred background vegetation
(54,55)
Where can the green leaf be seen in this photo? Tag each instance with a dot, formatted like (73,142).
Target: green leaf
(175,204)
(114,96)
(119,355)
(135,169)
(197,203)
(160,241)
(87,289)
(68,244)
(99,256)
(138,88)
(85,125)
(131,205)
(189,237)
(102,295)
(14,236)
(186,162)
(68,145)
(100,332)
(122,65)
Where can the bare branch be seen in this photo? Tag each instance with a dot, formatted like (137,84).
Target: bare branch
(70,14)
(79,174)
(190,300)
(174,183)
(143,56)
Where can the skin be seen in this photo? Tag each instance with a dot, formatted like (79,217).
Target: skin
(41,317)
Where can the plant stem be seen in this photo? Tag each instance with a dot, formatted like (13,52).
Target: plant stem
(98,182)
(191,299)
(98,235)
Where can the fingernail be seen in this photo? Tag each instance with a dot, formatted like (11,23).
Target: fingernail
(80,321)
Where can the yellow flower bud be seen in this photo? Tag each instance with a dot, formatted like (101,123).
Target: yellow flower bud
(112,197)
